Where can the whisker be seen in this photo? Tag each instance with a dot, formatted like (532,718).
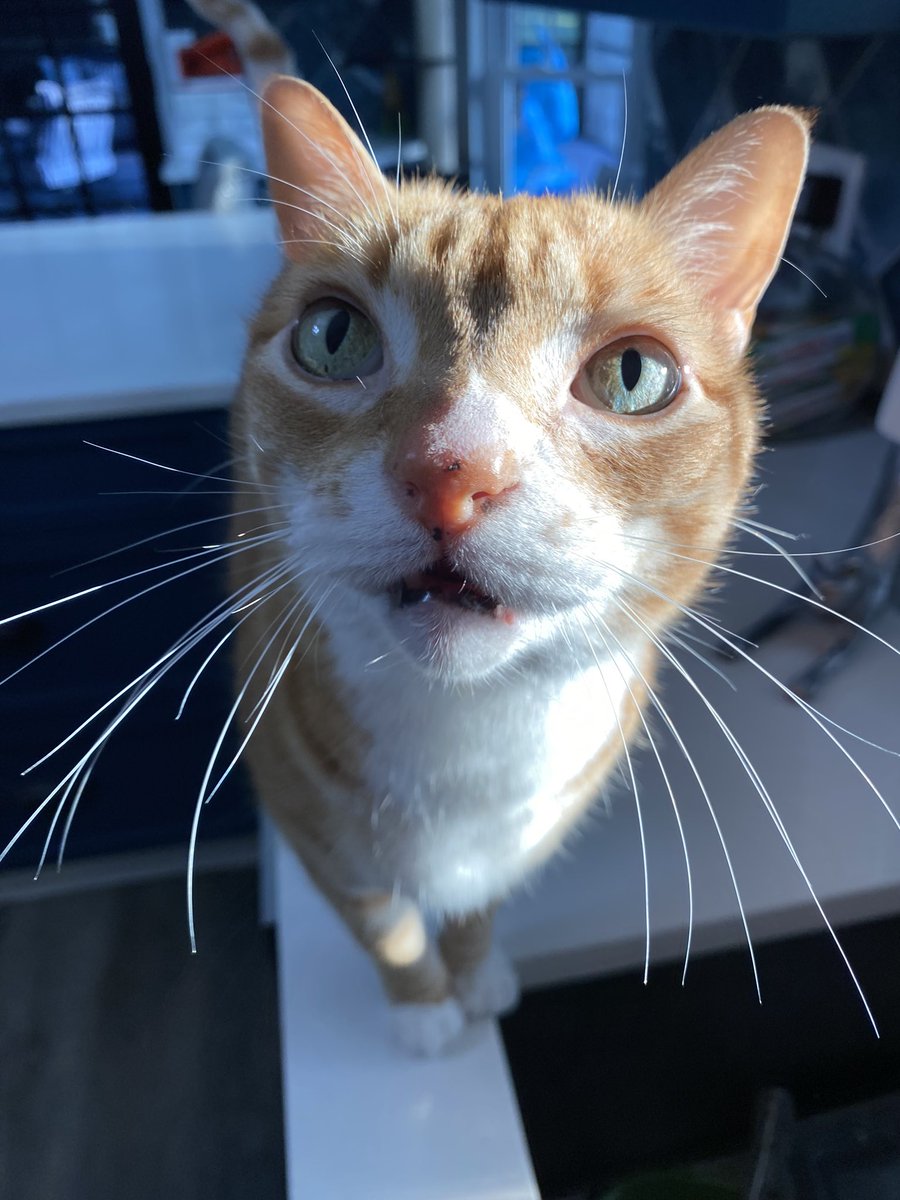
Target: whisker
(319,150)
(308,212)
(180,647)
(209,560)
(789,558)
(790,592)
(769,805)
(260,707)
(362,129)
(329,158)
(246,512)
(148,462)
(804,274)
(678,639)
(73,808)
(793,537)
(687,862)
(202,797)
(137,695)
(637,801)
(624,135)
(320,200)
(248,604)
(814,716)
(757,782)
(715,627)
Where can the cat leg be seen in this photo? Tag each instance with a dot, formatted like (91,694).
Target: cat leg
(483,977)
(425,1015)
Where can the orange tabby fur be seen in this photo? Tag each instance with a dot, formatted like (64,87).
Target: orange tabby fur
(487,308)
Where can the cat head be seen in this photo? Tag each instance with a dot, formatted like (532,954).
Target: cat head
(488,418)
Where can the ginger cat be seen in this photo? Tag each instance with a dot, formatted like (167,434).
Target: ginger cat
(474,421)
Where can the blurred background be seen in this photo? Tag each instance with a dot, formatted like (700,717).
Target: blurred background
(135,242)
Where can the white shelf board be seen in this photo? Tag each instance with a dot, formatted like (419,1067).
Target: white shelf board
(119,315)
(361,1119)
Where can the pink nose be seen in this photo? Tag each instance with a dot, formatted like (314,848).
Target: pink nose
(448,492)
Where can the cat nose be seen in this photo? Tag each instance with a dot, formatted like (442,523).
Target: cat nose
(448,493)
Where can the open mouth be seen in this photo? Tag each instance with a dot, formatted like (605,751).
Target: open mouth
(444,584)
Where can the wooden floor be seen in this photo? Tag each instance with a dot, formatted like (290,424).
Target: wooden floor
(129,1068)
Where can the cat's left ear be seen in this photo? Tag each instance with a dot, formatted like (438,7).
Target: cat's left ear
(728,206)
(320,174)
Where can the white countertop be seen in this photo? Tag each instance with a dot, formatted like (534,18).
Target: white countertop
(128,314)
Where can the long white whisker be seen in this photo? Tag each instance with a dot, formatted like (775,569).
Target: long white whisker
(148,462)
(769,805)
(362,129)
(789,558)
(789,592)
(709,623)
(804,274)
(814,716)
(250,603)
(637,800)
(295,187)
(202,796)
(137,696)
(678,639)
(73,808)
(792,537)
(153,537)
(259,708)
(624,134)
(184,645)
(687,862)
(625,608)
(281,116)
(175,652)
(753,775)
(208,556)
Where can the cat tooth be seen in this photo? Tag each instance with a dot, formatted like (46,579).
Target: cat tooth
(410,596)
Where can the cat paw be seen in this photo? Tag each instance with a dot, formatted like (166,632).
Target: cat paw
(492,989)
(426,1030)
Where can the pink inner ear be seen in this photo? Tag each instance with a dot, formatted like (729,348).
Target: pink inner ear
(321,175)
(729,204)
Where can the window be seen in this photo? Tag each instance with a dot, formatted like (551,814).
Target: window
(77,127)
(547,107)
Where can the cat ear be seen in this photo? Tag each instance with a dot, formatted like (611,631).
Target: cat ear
(728,208)
(320,174)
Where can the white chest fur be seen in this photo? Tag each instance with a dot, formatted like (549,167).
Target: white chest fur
(466,783)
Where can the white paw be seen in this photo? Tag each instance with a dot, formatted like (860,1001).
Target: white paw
(426,1030)
(492,989)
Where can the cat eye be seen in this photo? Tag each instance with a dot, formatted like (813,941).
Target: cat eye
(632,376)
(334,340)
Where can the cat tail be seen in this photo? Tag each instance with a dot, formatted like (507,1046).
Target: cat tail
(261,48)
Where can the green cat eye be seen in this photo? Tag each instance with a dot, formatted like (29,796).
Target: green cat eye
(334,340)
(632,376)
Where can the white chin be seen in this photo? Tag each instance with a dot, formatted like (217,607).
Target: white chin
(450,642)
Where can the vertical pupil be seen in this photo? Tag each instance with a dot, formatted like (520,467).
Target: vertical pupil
(337,330)
(631,368)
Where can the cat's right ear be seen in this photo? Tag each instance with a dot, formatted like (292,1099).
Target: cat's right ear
(727,208)
(320,173)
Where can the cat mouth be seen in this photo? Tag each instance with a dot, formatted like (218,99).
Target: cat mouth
(443,584)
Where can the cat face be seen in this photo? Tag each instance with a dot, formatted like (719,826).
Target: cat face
(487,419)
